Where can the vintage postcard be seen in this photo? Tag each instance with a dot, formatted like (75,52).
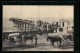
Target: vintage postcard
(38,28)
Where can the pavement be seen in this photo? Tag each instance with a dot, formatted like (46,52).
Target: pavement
(43,45)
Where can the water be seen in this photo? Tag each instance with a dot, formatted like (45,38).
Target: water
(8,26)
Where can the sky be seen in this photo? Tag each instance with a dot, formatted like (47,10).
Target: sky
(47,13)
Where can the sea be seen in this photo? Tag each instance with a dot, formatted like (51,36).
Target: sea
(7,26)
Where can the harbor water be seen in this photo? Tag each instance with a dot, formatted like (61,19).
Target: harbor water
(8,26)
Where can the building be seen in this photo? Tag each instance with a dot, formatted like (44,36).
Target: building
(65,25)
(39,23)
(23,25)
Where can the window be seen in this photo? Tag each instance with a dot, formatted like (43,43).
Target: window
(61,29)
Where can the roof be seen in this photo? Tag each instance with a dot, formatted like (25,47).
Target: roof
(39,21)
(13,34)
(55,34)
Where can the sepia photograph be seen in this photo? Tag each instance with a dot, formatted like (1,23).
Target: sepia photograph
(38,28)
